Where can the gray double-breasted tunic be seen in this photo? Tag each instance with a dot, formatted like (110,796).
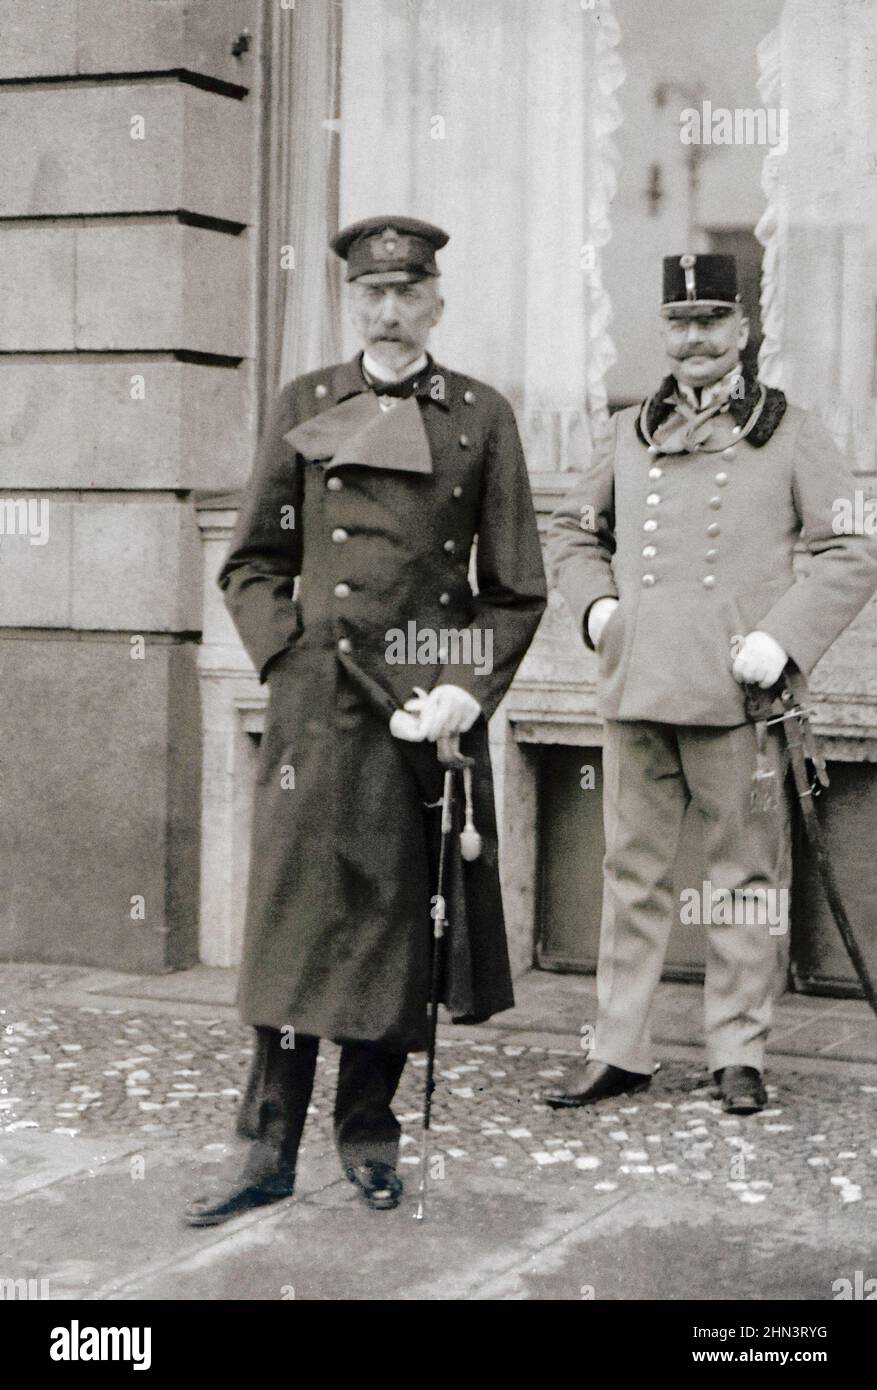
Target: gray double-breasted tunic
(698,548)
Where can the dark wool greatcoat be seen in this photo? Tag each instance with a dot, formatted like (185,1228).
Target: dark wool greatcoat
(374,513)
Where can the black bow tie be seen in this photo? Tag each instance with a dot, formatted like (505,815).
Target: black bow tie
(406,387)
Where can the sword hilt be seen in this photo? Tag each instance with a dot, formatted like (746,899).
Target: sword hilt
(449,755)
(778,705)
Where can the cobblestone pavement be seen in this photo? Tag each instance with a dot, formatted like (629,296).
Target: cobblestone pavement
(175,1079)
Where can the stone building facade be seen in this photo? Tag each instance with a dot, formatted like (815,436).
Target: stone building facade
(128,209)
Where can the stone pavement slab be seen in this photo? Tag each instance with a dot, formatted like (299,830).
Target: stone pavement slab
(116,1108)
(31,1159)
(484,1239)
(547,1002)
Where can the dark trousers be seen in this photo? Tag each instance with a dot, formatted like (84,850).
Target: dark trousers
(274,1108)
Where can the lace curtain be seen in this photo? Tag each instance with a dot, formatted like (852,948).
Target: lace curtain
(819,229)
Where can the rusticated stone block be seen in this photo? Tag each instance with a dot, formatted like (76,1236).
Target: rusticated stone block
(49,38)
(120,565)
(136,565)
(125,147)
(125,287)
(99,820)
(36,559)
(162,286)
(140,35)
(37,289)
(125,423)
(38,38)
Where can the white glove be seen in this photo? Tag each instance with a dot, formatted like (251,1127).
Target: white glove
(405,723)
(445,711)
(759,660)
(599,614)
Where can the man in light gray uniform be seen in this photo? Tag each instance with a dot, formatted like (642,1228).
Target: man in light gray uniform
(675,556)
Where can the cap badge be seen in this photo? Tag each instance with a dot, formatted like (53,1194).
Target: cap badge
(388,245)
(687,262)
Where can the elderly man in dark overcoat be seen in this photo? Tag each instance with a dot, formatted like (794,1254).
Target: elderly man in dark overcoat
(675,557)
(349,582)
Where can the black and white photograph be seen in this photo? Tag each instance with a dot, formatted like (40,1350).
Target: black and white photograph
(438,655)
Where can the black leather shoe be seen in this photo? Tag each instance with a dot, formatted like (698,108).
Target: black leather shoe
(600,1080)
(245,1195)
(740,1089)
(378,1184)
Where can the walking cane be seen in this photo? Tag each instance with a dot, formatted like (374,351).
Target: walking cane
(452,760)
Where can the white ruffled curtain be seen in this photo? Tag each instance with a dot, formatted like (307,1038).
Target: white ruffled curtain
(819,229)
(494,118)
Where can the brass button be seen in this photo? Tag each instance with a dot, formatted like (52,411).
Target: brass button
(345,645)
(469,397)
(716,504)
(650,551)
(464,441)
(713,529)
(320,391)
(339,535)
(709,581)
(334,484)
(649,580)
(650,525)
(342,590)
(653,499)
(444,600)
(449,547)
(457,491)
(711,555)
(656,472)
(722,479)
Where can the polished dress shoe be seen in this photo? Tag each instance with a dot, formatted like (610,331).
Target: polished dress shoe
(248,1193)
(740,1089)
(600,1080)
(378,1184)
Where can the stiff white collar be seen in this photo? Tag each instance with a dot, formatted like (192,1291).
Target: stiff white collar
(382,373)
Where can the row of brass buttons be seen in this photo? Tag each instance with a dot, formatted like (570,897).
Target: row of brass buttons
(321,391)
(339,535)
(335,484)
(650,525)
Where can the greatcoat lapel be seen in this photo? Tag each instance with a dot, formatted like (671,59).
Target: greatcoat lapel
(360,431)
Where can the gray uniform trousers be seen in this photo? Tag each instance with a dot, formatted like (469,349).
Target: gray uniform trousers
(651,772)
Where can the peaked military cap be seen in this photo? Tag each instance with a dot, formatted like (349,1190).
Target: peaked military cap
(699,286)
(393,248)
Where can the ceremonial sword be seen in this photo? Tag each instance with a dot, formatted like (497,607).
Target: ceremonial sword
(778,705)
